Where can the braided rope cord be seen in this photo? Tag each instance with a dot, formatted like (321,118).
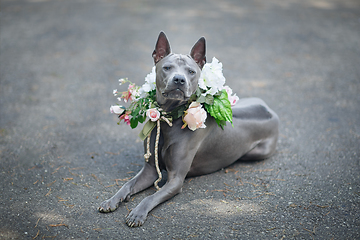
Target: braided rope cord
(148,153)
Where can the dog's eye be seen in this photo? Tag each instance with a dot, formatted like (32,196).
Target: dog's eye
(166,68)
(191,72)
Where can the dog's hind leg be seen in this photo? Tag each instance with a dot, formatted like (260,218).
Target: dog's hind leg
(264,149)
(144,179)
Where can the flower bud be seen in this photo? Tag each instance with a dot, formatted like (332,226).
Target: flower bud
(118,110)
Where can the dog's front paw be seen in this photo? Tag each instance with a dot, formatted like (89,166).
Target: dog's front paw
(136,218)
(109,205)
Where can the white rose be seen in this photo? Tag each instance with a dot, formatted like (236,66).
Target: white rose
(212,78)
(150,83)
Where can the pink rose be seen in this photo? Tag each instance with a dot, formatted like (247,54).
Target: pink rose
(116,110)
(232,99)
(195,117)
(153,114)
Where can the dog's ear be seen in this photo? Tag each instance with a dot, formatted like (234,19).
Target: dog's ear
(198,52)
(162,48)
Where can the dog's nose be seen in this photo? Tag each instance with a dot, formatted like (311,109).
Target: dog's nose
(179,79)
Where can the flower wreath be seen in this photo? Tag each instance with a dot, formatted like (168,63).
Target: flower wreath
(211,93)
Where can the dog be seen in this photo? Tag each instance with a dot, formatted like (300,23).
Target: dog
(185,153)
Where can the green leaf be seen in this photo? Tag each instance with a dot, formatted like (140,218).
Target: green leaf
(198,92)
(193,98)
(201,99)
(141,118)
(208,99)
(177,112)
(152,95)
(220,109)
(221,123)
(133,122)
(135,111)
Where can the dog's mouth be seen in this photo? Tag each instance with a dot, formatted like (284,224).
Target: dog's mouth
(176,94)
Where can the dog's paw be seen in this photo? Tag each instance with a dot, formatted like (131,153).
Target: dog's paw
(135,218)
(109,205)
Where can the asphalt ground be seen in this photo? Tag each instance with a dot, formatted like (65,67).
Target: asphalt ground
(62,152)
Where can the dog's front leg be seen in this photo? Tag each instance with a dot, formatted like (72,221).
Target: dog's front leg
(138,215)
(177,167)
(141,181)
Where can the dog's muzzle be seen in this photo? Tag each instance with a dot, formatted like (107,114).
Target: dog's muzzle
(176,88)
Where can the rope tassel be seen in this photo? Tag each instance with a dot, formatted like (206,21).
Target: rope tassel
(157,156)
(148,153)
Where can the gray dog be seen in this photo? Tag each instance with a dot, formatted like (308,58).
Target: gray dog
(185,153)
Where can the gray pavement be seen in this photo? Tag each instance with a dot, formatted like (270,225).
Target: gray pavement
(62,152)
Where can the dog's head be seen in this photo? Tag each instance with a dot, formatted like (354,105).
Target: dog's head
(177,75)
